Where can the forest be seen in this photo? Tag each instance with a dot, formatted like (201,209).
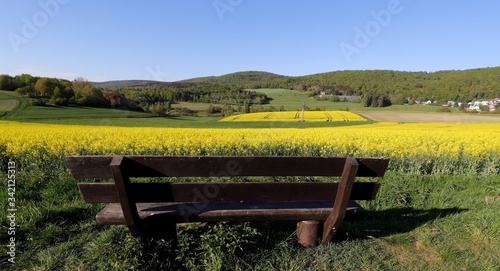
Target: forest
(465,85)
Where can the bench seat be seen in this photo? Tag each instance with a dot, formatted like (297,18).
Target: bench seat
(112,214)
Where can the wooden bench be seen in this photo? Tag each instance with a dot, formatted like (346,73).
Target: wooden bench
(153,209)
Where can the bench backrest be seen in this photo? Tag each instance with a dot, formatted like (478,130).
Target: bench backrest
(219,166)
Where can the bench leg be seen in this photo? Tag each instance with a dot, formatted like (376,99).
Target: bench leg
(307,232)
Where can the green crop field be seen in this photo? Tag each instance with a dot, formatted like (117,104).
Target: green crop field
(8,105)
(292,100)
(68,112)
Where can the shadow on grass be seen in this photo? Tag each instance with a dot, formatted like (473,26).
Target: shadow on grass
(376,224)
(66,216)
(392,221)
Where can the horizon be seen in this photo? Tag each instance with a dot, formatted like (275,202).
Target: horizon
(116,80)
(180,40)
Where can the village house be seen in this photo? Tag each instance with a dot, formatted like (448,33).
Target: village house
(479,106)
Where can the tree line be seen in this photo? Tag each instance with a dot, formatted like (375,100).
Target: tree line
(43,90)
(156,98)
(147,96)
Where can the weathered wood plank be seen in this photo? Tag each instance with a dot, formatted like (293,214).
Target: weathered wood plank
(203,166)
(189,192)
(224,211)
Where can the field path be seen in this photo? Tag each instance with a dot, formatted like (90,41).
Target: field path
(429,117)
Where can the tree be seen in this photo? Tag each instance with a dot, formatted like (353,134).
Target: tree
(62,94)
(376,100)
(7,83)
(45,86)
(334,98)
(28,91)
(91,96)
(383,101)
(484,108)
(25,80)
(79,84)
(367,100)
(209,111)
(246,108)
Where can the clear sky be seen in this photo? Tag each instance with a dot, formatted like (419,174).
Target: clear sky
(171,40)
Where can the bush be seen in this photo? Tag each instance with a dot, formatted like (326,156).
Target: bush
(184,111)
(159,110)
(444,110)
(58,101)
(39,102)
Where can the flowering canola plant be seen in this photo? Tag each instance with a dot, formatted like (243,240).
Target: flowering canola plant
(309,116)
(422,147)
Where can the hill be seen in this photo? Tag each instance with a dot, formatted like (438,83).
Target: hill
(463,85)
(237,78)
(457,85)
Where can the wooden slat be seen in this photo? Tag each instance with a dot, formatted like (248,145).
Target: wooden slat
(203,166)
(224,211)
(189,192)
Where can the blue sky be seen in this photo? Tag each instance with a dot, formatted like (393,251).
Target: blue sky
(181,39)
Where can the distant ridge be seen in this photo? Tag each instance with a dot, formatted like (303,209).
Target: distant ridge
(124,83)
(237,77)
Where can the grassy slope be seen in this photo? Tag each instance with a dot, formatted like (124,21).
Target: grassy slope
(417,223)
(11,102)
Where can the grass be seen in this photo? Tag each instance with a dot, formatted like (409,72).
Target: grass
(418,222)
(69,112)
(6,95)
(10,103)
(292,100)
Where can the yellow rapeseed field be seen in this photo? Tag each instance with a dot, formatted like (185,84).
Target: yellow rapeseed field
(379,139)
(309,116)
